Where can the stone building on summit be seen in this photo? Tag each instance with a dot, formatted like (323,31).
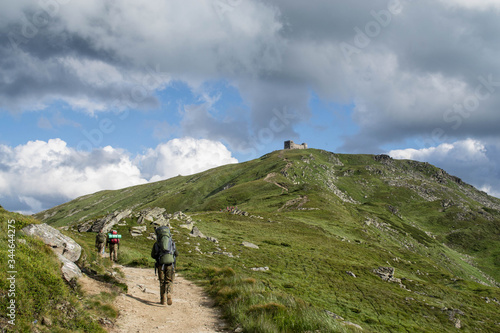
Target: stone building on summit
(291,145)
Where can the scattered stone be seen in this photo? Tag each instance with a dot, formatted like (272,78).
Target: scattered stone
(195,232)
(260,269)
(46,321)
(227,254)
(452,313)
(348,323)
(351,274)
(106,322)
(152,236)
(212,239)
(385,273)
(250,245)
(333,315)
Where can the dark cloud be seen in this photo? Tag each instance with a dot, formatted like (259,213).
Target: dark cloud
(403,64)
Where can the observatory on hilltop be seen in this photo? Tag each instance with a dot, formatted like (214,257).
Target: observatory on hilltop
(292,145)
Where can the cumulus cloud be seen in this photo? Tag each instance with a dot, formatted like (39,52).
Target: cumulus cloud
(40,175)
(413,66)
(183,157)
(469,159)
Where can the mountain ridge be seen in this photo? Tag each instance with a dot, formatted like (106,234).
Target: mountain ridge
(330,223)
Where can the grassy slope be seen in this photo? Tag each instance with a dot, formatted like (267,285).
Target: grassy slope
(40,291)
(400,221)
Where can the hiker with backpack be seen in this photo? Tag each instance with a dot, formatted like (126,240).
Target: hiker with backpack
(100,242)
(114,245)
(165,254)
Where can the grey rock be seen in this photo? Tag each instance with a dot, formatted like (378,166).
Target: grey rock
(188,226)
(333,315)
(196,233)
(348,323)
(106,223)
(161,221)
(260,269)
(250,245)
(385,273)
(69,269)
(351,274)
(212,239)
(61,244)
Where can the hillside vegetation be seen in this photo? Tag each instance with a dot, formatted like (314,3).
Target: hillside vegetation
(389,245)
(34,297)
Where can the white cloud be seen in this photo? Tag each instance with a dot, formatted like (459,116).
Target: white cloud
(473,4)
(468,159)
(183,156)
(39,174)
(465,151)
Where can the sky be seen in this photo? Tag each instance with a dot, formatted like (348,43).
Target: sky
(101,94)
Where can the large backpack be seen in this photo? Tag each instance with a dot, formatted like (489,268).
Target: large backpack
(113,237)
(101,237)
(166,247)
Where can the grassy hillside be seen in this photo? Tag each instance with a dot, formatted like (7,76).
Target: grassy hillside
(323,223)
(42,300)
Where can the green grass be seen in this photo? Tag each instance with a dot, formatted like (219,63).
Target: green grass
(40,291)
(446,257)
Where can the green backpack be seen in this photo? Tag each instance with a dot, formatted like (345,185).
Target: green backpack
(166,247)
(101,237)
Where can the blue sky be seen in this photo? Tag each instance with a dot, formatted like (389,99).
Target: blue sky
(103,95)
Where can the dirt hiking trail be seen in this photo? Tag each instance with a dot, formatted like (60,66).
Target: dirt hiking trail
(140,310)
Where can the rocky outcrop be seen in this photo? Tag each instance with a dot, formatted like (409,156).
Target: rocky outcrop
(387,274)
(151,215)
(106,223)
(60,244)
(68,251)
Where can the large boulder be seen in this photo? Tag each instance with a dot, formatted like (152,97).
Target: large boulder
(61,244)
(69,269)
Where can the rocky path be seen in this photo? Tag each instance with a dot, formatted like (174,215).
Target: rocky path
(140,309)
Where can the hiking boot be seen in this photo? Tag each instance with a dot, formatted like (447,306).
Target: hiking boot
(169,299)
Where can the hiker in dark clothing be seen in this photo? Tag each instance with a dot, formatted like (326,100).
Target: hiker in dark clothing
(165,254)
(100,242)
